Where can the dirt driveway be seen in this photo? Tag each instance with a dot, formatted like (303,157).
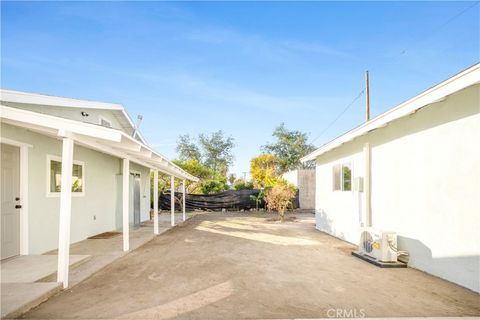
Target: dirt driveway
(225,266)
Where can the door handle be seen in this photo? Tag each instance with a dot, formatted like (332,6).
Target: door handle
(18,206)
(17,199)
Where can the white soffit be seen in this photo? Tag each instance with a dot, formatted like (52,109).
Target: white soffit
(462,80)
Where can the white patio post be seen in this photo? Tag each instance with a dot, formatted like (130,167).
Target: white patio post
(155,202)
(126,205)
(183,190)
(172,200)
(65,210)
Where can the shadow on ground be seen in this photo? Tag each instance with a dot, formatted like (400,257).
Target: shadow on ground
(222,266)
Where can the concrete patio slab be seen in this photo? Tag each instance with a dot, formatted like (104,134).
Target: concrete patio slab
(20,297)
(102,252)
(32,268)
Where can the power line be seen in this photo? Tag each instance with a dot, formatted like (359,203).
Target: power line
(447,22)
(339,115)
(456,16)
(427,36)
(403,52)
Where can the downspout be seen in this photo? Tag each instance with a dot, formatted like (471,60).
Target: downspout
(368,162)
(368,175)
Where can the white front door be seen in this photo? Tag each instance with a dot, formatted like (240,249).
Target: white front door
(10,193)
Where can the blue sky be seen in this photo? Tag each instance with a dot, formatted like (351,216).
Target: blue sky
(193,67)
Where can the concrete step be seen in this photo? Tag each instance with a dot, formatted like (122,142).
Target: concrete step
(18,298)
(53,276)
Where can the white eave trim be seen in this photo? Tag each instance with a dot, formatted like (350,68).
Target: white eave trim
(14,115)
(464,79)
(103,139)
(47,100)
(42,99)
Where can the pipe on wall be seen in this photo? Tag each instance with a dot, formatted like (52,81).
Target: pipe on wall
(368,174)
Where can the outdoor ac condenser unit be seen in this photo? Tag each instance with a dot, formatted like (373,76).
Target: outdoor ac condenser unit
(380,245)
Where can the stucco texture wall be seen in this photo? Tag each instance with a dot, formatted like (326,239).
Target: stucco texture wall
(93,213)
(425,186)
(304,180)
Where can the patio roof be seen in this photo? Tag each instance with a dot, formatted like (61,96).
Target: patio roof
(107,140)
(462,80)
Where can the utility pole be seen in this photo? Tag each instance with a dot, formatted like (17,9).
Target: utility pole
(367,98)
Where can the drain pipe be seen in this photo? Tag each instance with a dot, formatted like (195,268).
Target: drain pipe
(367,155)
(368,197)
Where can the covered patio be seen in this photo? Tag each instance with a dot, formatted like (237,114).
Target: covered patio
(28,280)
(34,275)
(103,139)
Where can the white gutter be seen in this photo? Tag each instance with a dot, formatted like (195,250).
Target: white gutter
(55,101)
(47,100)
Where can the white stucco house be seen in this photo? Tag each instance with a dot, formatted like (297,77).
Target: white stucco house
(71,169)
(413,170)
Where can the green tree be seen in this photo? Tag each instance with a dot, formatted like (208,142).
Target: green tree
(196,168)
(289,148)
(187,149)
(217,151)
(208,157)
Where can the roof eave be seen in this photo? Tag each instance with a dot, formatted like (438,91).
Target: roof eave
(460,81)
(107,140)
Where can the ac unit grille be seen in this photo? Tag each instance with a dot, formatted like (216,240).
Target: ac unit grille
(366,241)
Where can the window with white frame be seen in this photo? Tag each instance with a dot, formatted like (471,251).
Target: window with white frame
(104,122)
(54,167)
(342,177)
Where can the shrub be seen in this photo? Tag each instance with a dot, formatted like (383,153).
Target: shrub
(279,197)
(241,184)
(214,185)
(258,198)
